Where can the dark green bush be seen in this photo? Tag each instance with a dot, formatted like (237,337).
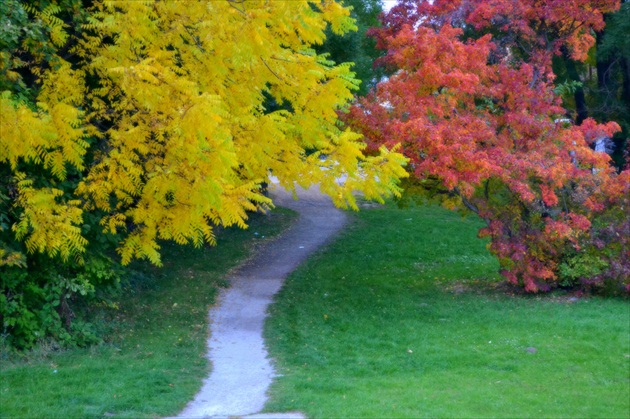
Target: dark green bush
(40,300)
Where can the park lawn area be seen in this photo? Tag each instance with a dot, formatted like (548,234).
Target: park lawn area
(153,361)
(402,316)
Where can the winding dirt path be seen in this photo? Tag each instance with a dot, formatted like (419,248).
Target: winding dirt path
(241,371)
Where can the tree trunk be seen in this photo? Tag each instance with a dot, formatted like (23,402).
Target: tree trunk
(625,70)
(580,99)
(604,70)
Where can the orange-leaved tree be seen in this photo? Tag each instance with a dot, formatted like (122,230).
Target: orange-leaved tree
(472,101)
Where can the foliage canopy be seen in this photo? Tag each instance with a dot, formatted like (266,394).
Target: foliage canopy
(179,136)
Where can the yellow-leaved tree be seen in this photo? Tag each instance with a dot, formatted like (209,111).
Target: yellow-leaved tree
(161,119)
(185,92)
(181,104)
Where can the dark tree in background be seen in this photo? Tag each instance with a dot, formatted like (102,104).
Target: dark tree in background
(356,47)
(612,99)
(600,86)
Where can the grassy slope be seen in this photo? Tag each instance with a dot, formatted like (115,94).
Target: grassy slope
(155,359)
(381,325)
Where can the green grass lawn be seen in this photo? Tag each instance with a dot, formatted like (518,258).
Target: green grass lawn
(154,360)
(400,318)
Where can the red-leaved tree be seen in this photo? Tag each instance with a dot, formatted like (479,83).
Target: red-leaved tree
(471,100)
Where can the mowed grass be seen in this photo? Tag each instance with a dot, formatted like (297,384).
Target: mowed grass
(154,360)
(400,318)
